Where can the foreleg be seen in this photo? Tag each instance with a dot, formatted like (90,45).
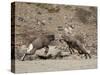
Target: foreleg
(71,50)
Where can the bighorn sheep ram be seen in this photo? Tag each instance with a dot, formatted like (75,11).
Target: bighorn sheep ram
(74,43)
(40,42)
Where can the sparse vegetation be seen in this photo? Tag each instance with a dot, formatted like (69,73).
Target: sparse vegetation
(86,16)
(35,19)
(30,24)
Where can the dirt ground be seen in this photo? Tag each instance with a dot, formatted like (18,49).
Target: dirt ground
(54,65)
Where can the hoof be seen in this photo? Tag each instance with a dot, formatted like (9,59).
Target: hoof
(22,59)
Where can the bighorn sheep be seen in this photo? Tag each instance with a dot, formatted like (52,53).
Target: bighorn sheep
(40,42)
(74,43)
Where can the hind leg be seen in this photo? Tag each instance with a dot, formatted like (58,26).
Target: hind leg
(22,58)
(83,54)
(86,55)
(32,52)
(83,51)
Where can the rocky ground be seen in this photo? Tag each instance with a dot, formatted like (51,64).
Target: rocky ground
(35,19)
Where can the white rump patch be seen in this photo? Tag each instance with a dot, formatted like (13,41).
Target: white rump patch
(30,48)
(89,51)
